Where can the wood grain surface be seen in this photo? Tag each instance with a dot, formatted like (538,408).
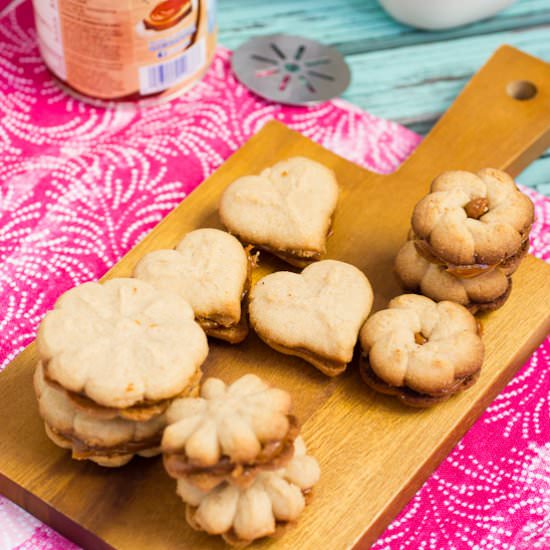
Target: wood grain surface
(374,452)
(398,72)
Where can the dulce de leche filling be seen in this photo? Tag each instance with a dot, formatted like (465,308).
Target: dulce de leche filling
(460,271)
(272,454)
(82,450)
(409,395)
(139,412)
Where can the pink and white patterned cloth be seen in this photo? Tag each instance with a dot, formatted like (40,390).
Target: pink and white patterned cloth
(79,186)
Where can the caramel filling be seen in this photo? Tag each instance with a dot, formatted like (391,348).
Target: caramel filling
(420,339)
(141,411)
(330,367)
(82,450)
(460,271)
(408,394)
(477,207)
(469,270)
(179,465)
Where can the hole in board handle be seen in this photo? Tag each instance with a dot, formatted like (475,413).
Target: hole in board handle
(521,89)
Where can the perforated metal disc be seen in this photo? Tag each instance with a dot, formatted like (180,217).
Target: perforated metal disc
(291,69)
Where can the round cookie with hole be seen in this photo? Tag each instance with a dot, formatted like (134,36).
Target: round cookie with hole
(478,220)
(421,351)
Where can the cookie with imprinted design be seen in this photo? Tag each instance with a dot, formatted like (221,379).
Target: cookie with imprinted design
(421,351)
(286,210)
(116,355)
(472,219)
(229,433)
(211,270)
(482,292)
(267,507)
(315,315)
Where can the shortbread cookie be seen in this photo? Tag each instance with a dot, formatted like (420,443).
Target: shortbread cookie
(229,433)
(121,344)
(485,292)
(420,350)
(209,269)
(267,507)
(315,315)
(286,210)
(471,218)
(107,442)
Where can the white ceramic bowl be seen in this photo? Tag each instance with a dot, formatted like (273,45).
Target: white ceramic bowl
(442,14)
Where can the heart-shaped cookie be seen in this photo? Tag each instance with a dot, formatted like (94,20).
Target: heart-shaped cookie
(286,210)
(210,269)
(315,315)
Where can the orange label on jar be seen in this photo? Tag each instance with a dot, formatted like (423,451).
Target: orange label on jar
(128,48)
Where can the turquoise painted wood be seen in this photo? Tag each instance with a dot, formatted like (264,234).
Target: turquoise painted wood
(398,72)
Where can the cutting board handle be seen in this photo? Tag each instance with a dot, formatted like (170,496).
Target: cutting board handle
(487,125)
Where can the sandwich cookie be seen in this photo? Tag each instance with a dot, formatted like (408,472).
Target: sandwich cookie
(421,351)
(286,210)
(230,433)
(210,270)
(113,356)
(479,294)
(267,507)
(315,315)
(474,221)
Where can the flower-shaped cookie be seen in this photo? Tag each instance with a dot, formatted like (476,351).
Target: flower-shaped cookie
(209,269)
(485,292)
(286,210)
(265,508)
(420,350)
(230,432)
(315,315)
(122,343)
(110,442)
(471,218)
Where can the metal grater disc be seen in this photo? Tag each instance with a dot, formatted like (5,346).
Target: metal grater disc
(291,69)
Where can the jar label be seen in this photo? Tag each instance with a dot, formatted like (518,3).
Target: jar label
(123,49)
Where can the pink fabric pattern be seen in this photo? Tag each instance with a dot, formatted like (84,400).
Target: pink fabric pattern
(79,186)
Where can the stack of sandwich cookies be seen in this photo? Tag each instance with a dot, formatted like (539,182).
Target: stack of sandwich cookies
(421,351)
(315,315)
(287,210)
(233,451)
(469,235)
(210,270)
(113,357)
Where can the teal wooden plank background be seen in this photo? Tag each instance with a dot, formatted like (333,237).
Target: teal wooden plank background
(399,73)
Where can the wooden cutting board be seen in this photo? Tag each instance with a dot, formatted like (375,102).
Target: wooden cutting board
(374,452)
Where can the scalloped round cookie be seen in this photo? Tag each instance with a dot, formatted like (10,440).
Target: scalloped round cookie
(474,218)
(420,350)
(108,442)
(121,343)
